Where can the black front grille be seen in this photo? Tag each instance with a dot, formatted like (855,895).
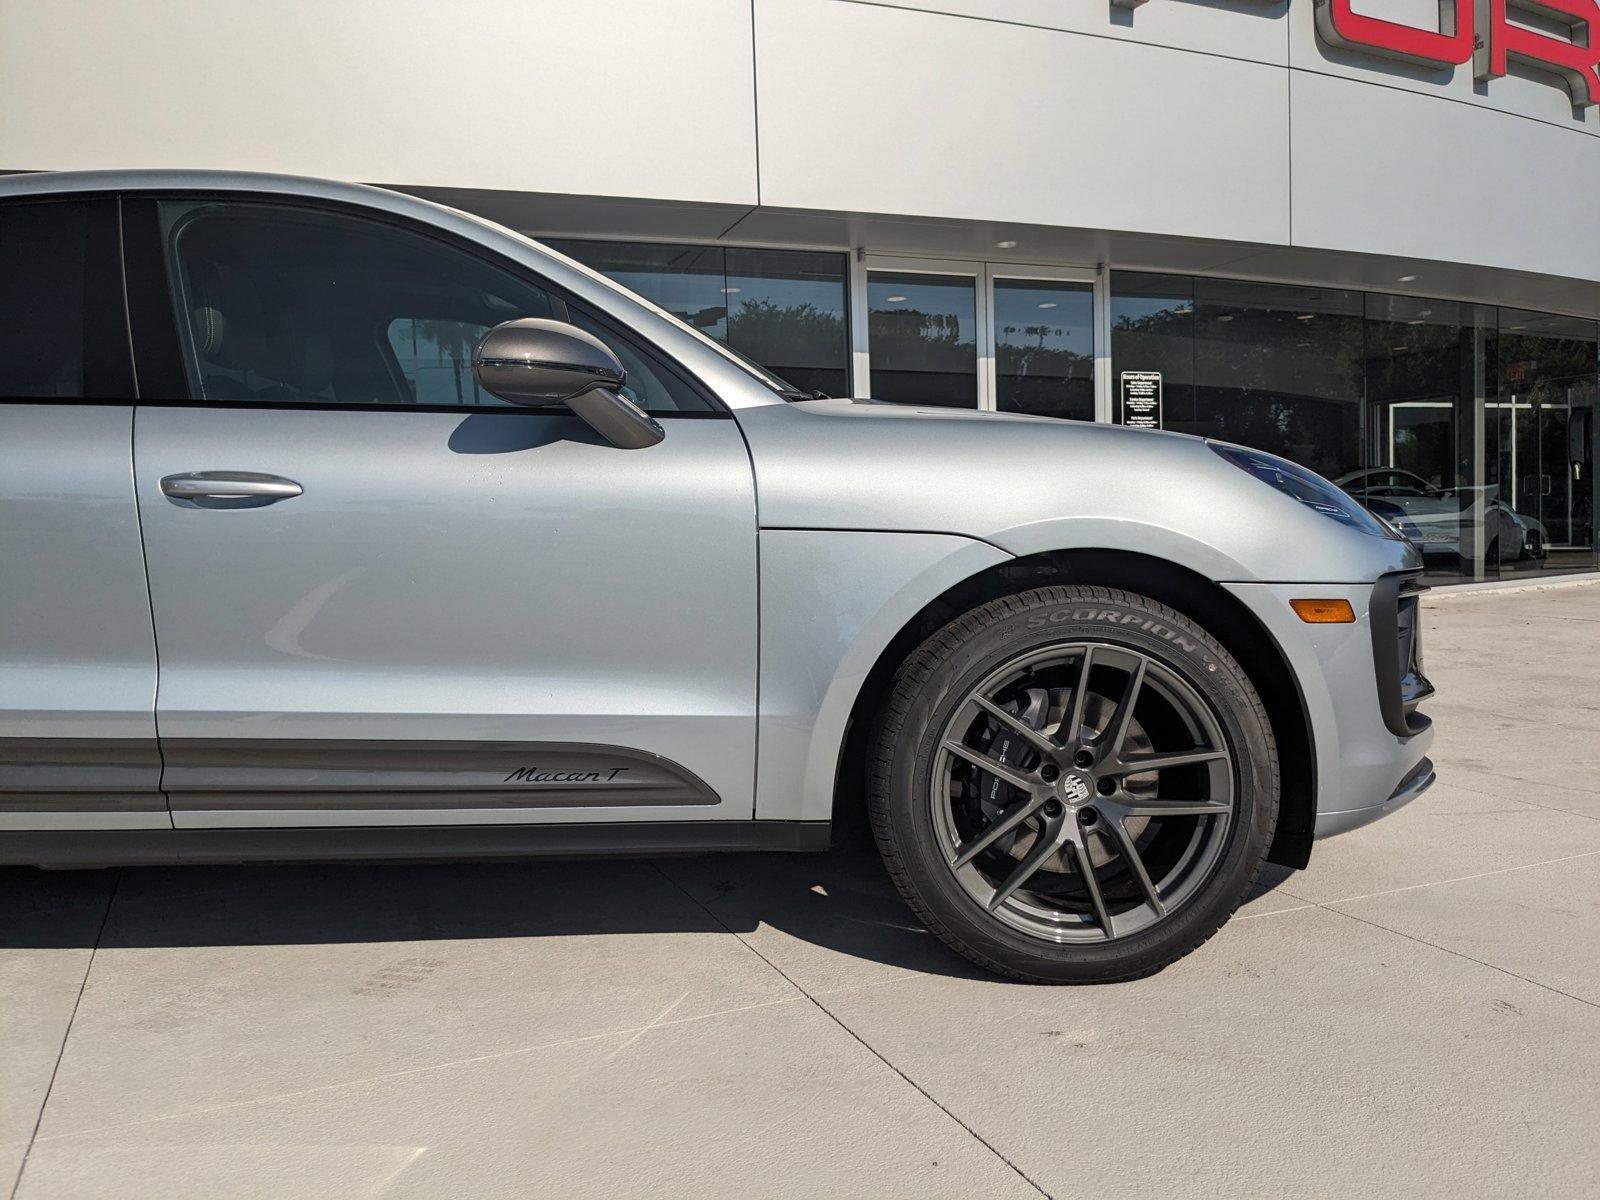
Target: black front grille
(1397,652)
(1414,685)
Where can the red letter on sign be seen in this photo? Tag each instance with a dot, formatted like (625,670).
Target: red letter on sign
(1573,60)
(1388,39)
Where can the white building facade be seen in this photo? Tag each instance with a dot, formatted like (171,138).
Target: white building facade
(1355,232)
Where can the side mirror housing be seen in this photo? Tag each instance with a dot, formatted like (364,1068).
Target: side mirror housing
(538,362)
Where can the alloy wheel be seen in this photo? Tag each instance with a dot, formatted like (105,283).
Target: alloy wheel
(1082,792)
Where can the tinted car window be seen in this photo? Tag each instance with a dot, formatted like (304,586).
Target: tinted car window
(650,384)
(436,359)
(281,304)
(61,302)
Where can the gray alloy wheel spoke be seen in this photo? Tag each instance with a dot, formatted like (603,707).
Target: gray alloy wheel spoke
(1018,726)
(992,765)
(1117,730)
(1174,808)
(1049,842)
(1072,729)
(996,830)
(1130,855)
(1160,762)
(1086,869)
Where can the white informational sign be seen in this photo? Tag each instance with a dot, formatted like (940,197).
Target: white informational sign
(1141,399)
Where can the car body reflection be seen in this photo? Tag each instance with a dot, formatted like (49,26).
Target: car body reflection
(1448,521)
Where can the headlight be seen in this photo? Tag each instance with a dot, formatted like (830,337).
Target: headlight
(1308,487)
(1396,519)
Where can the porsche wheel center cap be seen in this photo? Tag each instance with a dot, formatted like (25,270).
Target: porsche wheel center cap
(1075,788)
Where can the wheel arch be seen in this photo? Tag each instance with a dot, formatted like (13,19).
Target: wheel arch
(1179,587)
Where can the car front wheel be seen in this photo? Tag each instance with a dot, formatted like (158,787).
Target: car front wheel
(1073,785)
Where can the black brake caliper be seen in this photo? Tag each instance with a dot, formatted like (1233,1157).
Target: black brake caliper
(1008,748)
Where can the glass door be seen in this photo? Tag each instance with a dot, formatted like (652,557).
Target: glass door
(923,334)
(1547,385)
(1043,343)
(1574,454)
(1446,522)
(1550,480)
(1523,539)
(1547,453)
(978,335)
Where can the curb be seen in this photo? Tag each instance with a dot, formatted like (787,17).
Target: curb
(1502,586)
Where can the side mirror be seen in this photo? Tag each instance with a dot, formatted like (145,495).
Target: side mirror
(540,362)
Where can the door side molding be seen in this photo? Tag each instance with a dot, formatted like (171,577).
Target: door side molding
(236,775)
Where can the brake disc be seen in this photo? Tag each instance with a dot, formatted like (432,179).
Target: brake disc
(1044,710)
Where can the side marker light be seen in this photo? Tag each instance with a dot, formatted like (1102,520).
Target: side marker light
(1324,612)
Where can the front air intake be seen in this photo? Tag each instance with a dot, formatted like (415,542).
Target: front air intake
(1396,621)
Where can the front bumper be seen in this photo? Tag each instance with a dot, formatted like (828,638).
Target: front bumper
(1412,786)
(1360,684)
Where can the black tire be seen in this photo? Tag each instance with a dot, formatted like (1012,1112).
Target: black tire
(933,684)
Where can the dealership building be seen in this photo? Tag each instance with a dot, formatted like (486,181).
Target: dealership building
(1363,234)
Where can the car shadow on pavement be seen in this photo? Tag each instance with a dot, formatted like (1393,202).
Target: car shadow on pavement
(840,901)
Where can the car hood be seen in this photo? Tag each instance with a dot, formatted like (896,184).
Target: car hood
(1032,484)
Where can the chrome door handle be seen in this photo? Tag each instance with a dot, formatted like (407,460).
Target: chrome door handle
(230,485)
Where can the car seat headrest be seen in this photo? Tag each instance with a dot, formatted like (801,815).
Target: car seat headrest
(210,330)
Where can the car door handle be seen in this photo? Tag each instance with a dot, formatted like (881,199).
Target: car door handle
(230,485)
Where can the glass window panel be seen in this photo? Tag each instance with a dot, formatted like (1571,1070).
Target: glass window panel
(650,384)
(922,336)
(436,359)
(787,311)
(688,281)
(1470,427)
(1425,364)
(61,301)
(1152,329)
(1544,439)
(1280,369)
(1044,348)
(294,306)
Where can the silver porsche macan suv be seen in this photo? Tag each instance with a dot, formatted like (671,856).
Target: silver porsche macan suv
(337,524)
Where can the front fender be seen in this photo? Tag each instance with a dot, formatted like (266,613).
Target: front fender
(1031,484)
(831,602)
(1112,533)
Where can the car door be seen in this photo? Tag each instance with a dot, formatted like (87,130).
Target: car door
(77,661)
(382,596)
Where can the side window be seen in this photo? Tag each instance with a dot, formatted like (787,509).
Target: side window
(281,304)
(650,384)
(286,305)
(61,302)
(436,359)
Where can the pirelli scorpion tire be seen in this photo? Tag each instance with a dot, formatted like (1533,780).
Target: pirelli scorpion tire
(1073,784)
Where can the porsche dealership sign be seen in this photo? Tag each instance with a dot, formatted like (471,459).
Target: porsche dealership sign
(1555,37)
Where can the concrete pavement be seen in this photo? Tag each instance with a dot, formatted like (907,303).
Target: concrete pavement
(1417,1014)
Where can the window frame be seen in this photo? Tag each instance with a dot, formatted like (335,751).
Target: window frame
(157,340)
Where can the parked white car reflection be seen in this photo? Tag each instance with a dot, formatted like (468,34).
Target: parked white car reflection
(1447,521)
